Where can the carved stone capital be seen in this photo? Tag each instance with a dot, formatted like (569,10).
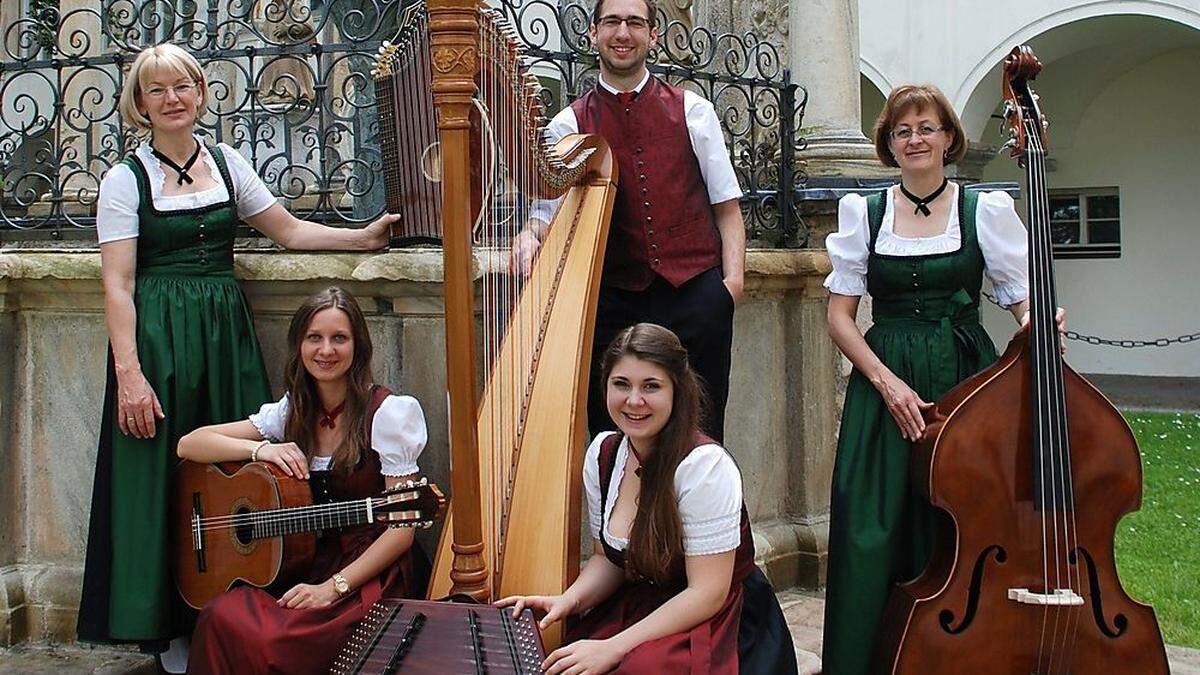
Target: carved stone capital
(842,153)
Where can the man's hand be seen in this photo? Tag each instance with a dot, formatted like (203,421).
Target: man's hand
(524,249)
(735,286)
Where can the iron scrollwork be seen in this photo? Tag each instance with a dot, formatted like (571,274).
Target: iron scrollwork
(290,89)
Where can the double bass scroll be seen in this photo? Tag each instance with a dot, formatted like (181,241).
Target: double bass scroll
(1032,468)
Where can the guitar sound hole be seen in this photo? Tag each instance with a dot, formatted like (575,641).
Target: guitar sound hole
(244,530)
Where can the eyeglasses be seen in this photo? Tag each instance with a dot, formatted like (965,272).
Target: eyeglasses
(905,133)
(180,90)
(613,22)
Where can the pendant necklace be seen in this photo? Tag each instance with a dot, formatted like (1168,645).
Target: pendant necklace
(923,202)
(638,471)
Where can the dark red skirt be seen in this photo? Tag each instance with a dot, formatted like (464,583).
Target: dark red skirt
(245,631)
(711,647)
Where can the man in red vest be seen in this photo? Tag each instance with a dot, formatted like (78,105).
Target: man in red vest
(677,245)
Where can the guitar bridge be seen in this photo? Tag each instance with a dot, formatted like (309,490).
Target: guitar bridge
(198,533)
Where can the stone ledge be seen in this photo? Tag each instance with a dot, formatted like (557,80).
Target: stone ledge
(793,553)
(411,265)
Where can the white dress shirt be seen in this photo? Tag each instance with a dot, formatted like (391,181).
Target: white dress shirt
(704,130)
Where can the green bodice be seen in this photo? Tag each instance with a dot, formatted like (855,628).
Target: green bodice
(191,242)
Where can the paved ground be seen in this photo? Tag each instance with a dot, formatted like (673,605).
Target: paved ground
(803,610)
(1150,393)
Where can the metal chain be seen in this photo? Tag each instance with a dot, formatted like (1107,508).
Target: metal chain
(1125,344)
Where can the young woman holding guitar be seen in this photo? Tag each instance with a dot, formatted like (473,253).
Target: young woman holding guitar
(349,439)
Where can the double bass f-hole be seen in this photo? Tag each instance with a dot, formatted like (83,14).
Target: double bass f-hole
(946,617)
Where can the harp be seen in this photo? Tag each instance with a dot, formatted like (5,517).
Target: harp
(517,443)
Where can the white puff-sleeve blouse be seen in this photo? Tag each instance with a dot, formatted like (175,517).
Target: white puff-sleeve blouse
(397,433)
(707,484)
(117,204)
(1001,234)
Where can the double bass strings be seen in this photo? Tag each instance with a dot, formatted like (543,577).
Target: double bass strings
(1050,416)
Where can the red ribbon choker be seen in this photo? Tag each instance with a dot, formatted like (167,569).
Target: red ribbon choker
(329,417)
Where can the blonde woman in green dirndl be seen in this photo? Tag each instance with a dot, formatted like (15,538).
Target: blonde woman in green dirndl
(183,351)
(921,249)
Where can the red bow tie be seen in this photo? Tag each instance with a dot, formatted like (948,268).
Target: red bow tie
(626,97)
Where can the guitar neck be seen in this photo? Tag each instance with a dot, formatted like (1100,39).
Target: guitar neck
(278,522)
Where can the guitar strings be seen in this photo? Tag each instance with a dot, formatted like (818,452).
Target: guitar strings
(277,515)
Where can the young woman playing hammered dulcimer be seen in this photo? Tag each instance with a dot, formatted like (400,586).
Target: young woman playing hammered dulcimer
(672,581)
(349,438)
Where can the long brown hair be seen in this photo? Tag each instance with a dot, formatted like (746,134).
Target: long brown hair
(656,537)
(303,401)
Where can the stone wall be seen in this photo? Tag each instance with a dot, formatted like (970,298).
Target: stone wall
(781,415)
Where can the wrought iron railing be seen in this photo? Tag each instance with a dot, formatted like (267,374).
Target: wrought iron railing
(291,90)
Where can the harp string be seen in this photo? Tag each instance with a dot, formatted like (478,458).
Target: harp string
(509,167)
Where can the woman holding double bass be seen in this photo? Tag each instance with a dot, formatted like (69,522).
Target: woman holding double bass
(921,249)
(1031,468)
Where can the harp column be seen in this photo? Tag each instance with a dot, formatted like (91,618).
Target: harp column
(454,44)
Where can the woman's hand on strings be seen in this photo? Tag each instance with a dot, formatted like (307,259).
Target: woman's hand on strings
(904,404)
(585,657)
(524,249)
(137,406)
(1060,317)
(555,607)
(376,235)
(286,456)
(308,596)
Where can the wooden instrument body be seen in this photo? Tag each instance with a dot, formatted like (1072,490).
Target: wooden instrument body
(541,554)
(227,489)
(974,463)
(449,639)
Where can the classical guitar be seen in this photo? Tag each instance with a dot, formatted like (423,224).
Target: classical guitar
(252,523)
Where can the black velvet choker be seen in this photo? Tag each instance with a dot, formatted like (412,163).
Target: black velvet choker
(183,170)
(923,202)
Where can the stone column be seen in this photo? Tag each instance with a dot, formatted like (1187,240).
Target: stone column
(824,57)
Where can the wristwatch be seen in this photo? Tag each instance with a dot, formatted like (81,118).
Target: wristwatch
(340,584)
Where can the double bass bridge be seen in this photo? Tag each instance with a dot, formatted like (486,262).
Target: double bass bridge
(1059,597)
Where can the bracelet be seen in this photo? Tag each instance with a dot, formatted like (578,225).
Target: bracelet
(255,449)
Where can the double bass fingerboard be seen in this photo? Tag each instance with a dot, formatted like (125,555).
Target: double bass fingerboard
(420,636)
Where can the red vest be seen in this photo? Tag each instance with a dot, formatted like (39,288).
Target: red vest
(662,223)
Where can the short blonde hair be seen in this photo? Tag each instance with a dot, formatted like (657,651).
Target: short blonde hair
(908,97)
(149,62)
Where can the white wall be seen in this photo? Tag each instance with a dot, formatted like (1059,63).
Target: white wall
(1120,88)
(1138,132)
(956,44)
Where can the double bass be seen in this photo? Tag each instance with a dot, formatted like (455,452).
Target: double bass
(1032,468)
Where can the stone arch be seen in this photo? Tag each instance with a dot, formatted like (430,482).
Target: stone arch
(871,99)
(976,103)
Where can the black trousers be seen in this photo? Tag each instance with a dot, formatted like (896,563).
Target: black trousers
(700,312)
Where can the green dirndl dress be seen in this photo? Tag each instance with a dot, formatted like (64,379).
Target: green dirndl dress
(198,350)
(926,330)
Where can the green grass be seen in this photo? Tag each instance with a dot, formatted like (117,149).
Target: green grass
(1158,547)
